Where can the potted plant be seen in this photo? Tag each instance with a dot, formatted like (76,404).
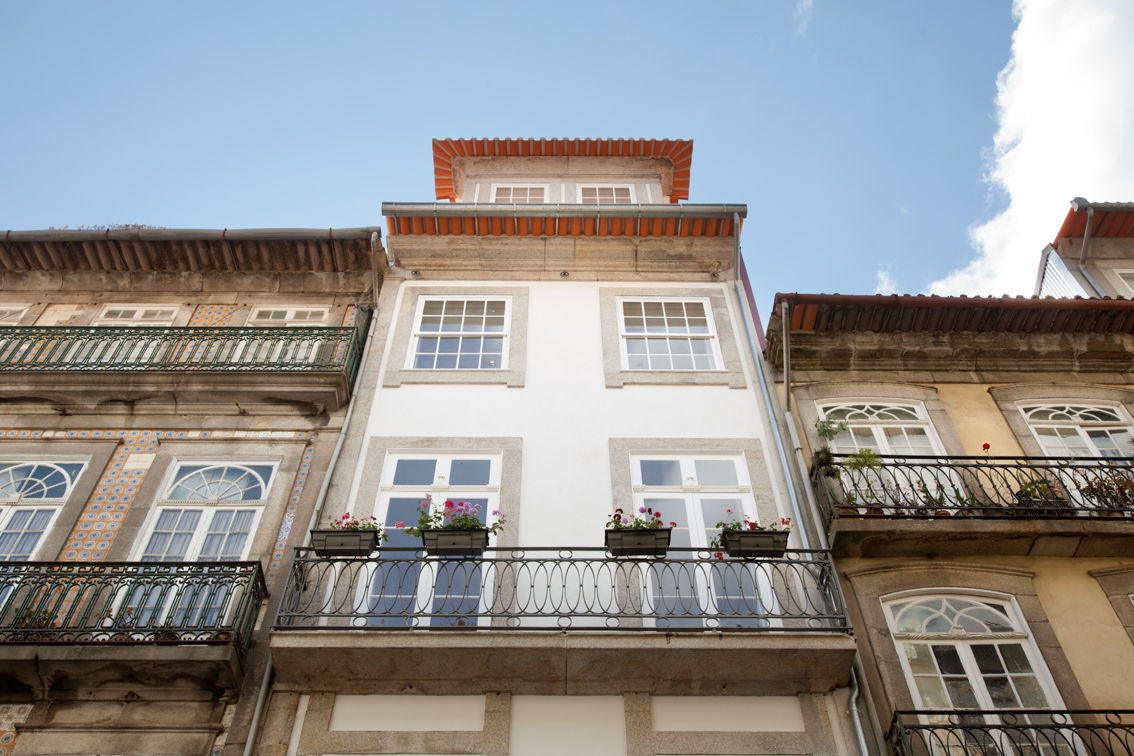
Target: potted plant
(859,464)
(1111,492)
(1037,496)
(348,536)
(454,529)
(821,458)
(643,534)
(749,538)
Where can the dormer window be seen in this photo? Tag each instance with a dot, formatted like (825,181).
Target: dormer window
(519,194)
(606,194)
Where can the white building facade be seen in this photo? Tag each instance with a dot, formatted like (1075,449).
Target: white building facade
(559,338)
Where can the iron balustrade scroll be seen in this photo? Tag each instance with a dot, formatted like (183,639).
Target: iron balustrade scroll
(1037,487)
(560,588)
(130,602)
(220,348)
(1012,732)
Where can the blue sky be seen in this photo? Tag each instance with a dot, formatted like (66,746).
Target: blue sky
(858,134)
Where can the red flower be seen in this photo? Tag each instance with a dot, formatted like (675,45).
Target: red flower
(719,555)
(673,524)
(449,505)
(986,447)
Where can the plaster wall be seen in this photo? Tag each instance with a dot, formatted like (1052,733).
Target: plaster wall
(565,414)
(977,419)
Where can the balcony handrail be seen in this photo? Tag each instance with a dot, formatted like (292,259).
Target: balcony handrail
(921,486)
(556,589)
(181,349)
(130,602)
(1011,732)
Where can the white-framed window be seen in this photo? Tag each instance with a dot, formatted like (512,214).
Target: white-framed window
(885,427)
(695,492)
(31,495)
(288,316)
(606,194)
(136,316)
(12,314)
(1127,278)
(520,193)
(467,333)
(208,512)
(667,334)
(1065,429)
(400,594)
(968,652)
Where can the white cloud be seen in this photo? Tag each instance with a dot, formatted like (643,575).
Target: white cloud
(803,10)
(1065,128)
(884,282)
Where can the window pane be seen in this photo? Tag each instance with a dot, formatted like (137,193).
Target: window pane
(1014,658)
(665,472)
(716,472)
(961,693)
(920,660)
(932,693)
(1001,693)
(415,472)
(470,472)
(948,660)
(988,661)
(1031,694)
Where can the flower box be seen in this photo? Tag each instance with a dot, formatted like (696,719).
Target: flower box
(344,543)
(633,542)
(455,541)
(754,543)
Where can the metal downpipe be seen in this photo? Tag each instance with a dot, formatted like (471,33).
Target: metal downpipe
(270,669)
(1078,204)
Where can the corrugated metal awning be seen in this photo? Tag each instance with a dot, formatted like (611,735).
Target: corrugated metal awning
(194,250)
(1112,220)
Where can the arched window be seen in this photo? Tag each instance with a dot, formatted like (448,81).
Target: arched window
(31,495)
(208,513)
(1081,430)
(968,652)
(885,427)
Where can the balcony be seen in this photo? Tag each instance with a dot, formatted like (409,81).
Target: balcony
(563,620)
(70,624)
(909,506)
(135,369)
(1013,732)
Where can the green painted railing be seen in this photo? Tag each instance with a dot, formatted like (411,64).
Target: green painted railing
(101,348)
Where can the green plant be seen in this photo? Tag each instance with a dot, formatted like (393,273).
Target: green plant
(828,428)
(1110,489)
(1037,489)
(452,515)
(646,519)
(863,459)
(735,526)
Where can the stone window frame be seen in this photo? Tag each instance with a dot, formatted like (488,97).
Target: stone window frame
(1010,398)
(379,448)
(402,338)
(764,490)
(208,507)
(1014,615)
(1118,585)
(96,456)
(870,586)
(731,373)
(285,454)
(809,396)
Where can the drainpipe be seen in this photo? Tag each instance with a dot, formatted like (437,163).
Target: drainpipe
(857,671)
(270,669)
(769,404)
(1077,205)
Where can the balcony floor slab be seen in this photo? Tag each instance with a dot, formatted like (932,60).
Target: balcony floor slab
(560,663)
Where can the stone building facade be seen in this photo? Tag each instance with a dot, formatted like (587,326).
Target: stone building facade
(171,401)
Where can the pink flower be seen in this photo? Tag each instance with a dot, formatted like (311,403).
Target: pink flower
(641,509)
(399,524)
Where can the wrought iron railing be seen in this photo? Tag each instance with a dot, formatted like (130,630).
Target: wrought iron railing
(1038,487)
(1015,732)
(100,348)
(559,589)
(130,602)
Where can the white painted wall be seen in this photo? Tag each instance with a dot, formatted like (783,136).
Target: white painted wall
(566,414)
(407,713)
